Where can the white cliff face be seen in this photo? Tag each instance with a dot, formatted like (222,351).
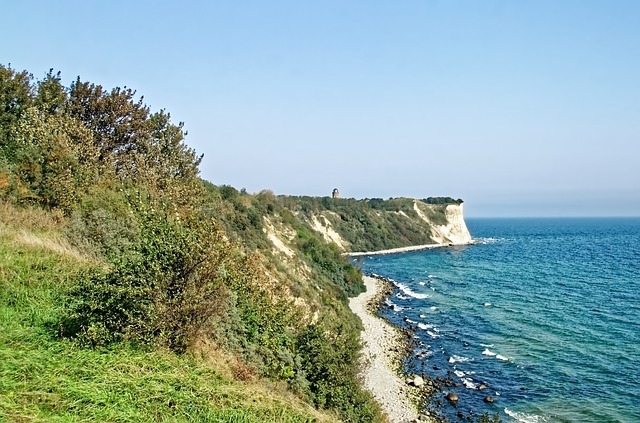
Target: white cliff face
(322,225)
(454,232)
(278,243)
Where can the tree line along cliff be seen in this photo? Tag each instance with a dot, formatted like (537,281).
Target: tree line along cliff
(147,258)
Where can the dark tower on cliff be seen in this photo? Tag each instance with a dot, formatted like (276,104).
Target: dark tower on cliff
(335,193)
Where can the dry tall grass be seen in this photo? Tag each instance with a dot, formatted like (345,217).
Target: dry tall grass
(37,228)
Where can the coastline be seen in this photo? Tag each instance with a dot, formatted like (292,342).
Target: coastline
(406,249)
(383,347)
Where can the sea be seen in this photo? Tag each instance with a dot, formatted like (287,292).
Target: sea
(542,315)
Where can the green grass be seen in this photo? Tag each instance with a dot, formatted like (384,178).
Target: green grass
(44,378)
(54,381)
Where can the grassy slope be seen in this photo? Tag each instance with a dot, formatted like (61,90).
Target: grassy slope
(45,379)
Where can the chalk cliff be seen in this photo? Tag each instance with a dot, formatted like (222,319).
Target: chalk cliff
(454,231)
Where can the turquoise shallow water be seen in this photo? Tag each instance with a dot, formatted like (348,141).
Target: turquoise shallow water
(544,312)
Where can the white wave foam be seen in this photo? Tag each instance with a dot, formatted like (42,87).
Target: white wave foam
(468,383)
(490,353)
(487,304)
(433,308)
(410,321)
(488,240)
(433,334)
(425,326)
(422,283)
(458,359)
(425,353)
(524,418)
(393,306)
(408,291)
(432,276)
(487,345)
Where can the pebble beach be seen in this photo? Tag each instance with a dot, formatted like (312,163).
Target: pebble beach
(383,346)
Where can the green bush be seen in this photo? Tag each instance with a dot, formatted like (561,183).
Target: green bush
(264,322)
(327,259)
(329,361)
(162,292)
(103,224)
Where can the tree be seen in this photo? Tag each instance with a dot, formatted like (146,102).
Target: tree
(179,161)
(51,96)
(53,158)
(117,121)
(15,96)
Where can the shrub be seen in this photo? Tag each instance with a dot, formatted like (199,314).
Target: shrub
(52,158)
(161,292)
(103,224)
(329,360)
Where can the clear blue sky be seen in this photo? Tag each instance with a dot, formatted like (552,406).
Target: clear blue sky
(521,108)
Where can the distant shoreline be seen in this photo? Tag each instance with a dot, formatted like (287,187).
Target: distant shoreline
(406,249)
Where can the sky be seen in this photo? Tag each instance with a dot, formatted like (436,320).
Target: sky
(519,107)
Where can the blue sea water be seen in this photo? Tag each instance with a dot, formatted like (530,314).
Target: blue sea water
(544,312)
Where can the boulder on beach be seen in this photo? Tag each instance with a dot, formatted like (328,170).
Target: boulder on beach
(416,381)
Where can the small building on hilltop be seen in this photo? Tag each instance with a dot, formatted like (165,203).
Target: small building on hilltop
(335,193)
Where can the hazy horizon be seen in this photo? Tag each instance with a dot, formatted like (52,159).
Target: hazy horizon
(519,108)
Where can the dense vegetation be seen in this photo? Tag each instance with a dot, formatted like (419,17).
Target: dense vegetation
(45,378)
(441,200)
(132,290)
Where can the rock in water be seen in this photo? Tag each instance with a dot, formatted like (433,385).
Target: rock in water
(488,399)
(451,397)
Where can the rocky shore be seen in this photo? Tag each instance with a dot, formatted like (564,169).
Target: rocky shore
(390,345)
(384,346)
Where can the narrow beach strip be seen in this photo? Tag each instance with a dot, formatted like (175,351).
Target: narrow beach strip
(397,250)
(382,344)
(405,249)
